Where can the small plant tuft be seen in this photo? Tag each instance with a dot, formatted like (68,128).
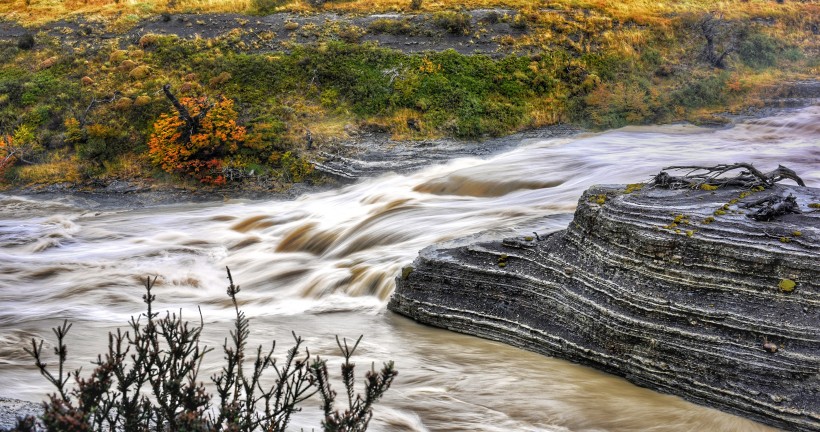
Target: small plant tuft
(787,285)
(405,272)
(456,23)
(26,42)
(633,187)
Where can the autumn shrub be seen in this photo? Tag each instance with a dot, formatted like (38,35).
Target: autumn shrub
(20,147)
(197,150)
(149,380)
(616,105)
(7,154)
(457,23)
(519,22)
(294,168)
(99,142)
(350,33)
(391,26)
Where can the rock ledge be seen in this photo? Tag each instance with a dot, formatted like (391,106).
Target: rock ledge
(675,290)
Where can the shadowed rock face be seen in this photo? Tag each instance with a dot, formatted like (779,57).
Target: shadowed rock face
(675,290)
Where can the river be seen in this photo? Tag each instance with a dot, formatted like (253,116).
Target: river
(324,264)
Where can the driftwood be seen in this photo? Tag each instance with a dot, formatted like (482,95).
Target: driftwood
(773,207)
(701,177)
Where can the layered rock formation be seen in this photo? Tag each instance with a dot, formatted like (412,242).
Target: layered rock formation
(675,290)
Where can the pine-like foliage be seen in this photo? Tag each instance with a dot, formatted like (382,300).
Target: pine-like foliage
(148,381)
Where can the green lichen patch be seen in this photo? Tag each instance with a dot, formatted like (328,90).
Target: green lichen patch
(633,187)
(787,285)
(797,233)
(502,260)
(785,239)
(599,199)
(528,238)
(814,205)
(680,219)
(707,220)
(708,187)
(405,272)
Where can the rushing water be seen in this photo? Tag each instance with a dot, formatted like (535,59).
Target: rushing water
(324,264)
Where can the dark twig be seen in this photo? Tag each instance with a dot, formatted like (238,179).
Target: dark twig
(712,177)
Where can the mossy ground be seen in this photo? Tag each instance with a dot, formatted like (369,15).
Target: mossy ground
(92,104)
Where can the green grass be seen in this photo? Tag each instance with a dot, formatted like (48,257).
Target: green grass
(591,71)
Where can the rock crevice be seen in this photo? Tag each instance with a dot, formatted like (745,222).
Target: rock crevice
(676,290)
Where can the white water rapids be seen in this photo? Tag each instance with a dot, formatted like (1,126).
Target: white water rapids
(324,264)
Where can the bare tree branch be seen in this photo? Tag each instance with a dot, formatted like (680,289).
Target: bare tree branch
(702,177)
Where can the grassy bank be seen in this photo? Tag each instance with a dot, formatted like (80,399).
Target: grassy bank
(93,110)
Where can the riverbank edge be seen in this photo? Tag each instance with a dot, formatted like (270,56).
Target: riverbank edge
(129,194)
(137,193)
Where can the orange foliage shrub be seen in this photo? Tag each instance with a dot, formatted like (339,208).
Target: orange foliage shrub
(7,158)
(199,153)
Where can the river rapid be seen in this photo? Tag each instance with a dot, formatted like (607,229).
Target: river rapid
(324,264)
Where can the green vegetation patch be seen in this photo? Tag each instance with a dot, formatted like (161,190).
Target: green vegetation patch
(787,285)
(92,107)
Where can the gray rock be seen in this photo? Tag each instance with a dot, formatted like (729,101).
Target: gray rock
(11,409)
(675,290)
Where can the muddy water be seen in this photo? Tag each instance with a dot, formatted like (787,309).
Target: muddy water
(324,264)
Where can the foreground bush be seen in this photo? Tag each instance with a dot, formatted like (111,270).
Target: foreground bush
(148,381)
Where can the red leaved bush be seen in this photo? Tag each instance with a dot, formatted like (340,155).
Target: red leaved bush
(197,151)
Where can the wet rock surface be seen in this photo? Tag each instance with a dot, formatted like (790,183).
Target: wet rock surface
(12,409)
(675,290)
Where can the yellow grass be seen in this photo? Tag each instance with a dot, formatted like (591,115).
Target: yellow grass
(640,11)
(126,167)
(545,112)
(60,171)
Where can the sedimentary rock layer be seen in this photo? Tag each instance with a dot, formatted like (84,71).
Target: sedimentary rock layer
(678,291)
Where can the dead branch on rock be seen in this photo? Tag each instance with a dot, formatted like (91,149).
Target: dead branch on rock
(773,207)
(701,177)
